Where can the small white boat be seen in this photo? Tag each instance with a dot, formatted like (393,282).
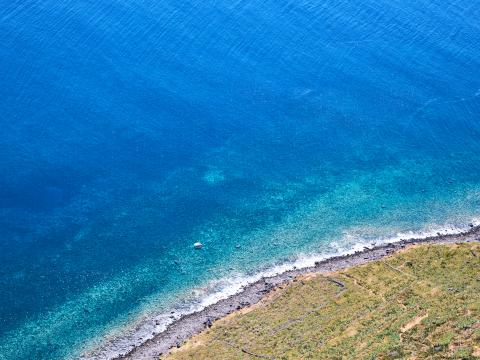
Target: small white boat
(198,245)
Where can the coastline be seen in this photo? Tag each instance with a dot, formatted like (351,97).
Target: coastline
(191,324)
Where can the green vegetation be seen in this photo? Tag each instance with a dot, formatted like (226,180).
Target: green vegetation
(420,303)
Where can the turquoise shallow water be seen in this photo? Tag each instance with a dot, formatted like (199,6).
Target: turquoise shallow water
(271,131)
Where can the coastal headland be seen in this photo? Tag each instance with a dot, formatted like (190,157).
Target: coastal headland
(261,291)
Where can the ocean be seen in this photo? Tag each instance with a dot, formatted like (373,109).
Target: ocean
(274,132)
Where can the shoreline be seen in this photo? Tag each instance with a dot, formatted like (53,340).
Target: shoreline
(191,324)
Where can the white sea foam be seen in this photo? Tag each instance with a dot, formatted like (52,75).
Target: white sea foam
(148,325)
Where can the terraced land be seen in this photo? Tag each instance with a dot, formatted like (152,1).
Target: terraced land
(420,303)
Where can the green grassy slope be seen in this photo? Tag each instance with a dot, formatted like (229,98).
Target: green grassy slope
(421,303)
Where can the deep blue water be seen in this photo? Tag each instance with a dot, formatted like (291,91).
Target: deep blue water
(132,129)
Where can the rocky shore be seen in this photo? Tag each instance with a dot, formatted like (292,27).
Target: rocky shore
(194,323)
